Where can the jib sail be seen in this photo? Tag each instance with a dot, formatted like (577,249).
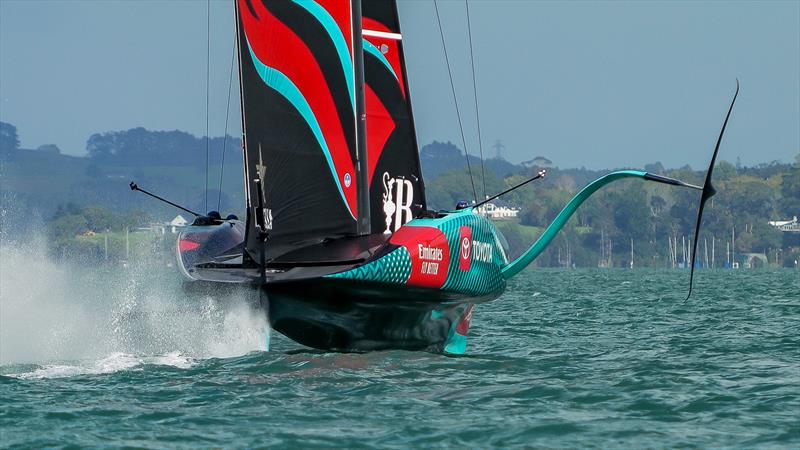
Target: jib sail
(396,190)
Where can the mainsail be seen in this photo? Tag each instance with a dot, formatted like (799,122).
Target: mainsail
(298,108)
(319,169)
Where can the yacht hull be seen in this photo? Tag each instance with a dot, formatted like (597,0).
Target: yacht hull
(340,315)
(413,289)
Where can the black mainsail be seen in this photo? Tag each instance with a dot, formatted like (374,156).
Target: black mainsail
(320,171)
(299,120)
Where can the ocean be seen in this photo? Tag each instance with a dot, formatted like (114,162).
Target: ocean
(584,358)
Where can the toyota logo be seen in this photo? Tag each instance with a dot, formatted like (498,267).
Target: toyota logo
(466,247)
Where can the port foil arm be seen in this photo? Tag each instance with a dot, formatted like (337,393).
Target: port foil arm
(561,219)
(552,230)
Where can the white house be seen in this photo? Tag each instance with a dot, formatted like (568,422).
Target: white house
(178,222)
(790,226)
(495,212)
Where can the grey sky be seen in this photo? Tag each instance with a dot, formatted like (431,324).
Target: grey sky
(595,84)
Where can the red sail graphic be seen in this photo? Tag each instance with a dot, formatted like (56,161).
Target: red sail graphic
(298,113)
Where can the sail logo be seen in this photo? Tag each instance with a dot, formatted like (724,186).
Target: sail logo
(398,195)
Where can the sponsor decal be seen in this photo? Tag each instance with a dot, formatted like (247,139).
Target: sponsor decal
(465,248)
(347,179)
(471,249)
(398,195)
(482,251)
(430,255)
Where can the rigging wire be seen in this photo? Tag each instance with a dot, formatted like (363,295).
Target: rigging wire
(208,77)
(455,100)
(227,115)
(475,96)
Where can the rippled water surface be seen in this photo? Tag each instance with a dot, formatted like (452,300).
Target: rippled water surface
(565,359)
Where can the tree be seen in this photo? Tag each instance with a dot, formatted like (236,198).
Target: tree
(49,148)
(724,170)
(101,146)
(790,191)
(631,214)
(67,227)
(9,141)
(100,219)
(656,168)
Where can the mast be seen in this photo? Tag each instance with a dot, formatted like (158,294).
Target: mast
(683,248)
(364,225)
(631,253)
(241,109)
(728,253)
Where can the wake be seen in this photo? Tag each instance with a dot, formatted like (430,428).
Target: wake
(65,319)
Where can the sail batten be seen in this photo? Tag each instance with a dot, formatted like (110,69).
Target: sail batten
(382,34)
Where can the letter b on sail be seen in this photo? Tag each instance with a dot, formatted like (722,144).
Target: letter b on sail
(398,196)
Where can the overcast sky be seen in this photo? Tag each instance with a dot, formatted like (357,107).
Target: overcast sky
(594,84)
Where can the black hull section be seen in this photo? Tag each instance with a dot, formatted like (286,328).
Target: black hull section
(341,316)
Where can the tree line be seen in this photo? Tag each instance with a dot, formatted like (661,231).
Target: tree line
(656,218)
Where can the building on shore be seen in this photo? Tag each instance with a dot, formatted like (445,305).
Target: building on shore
(787,226)
(174,226)
(495,212)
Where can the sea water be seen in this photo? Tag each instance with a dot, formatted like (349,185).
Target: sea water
(564,359)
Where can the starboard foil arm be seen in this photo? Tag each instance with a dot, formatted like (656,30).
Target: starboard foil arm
(552,230)
(561,219)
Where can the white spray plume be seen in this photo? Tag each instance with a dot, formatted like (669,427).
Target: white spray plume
(54,312)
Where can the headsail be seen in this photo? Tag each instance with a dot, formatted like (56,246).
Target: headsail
(299,119)
(396,189)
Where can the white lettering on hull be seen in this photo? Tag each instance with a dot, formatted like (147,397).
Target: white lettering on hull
(481,251)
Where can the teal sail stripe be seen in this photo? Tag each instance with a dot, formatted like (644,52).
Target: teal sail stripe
(281,83)
(552,230)
(372,50)
(335,33)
